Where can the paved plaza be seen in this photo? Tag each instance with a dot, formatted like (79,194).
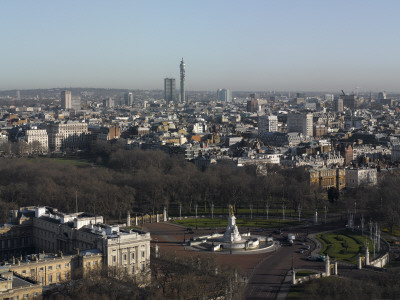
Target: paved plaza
(264,272)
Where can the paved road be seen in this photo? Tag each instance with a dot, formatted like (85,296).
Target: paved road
(269,269)
(268,276)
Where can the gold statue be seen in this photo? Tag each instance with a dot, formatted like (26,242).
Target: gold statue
(231,210)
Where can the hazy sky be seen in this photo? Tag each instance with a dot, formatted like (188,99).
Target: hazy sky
(241,45)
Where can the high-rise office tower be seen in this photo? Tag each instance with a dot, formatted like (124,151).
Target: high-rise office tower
(66,100)
(169,90)
(76,103)
(128,98)
(338,104)
(224,95)
(182,68)
(109,102)
(252,105)
(349,101)
(267,124)
(300,122)
(381,96)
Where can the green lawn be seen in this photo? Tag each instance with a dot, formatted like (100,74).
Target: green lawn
(219,222)
(272,212)
(396,231)
(71,161)
(344,245)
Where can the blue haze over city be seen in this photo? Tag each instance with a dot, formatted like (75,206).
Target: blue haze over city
(240,45)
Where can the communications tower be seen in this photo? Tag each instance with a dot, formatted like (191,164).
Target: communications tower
(182,68)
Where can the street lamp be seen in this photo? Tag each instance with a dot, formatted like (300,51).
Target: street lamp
(196,215)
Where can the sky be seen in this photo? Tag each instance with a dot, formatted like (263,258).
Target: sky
(255,45)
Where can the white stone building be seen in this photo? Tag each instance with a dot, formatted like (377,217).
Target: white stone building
(67,135)
(199,128)
(39,137)
(124,249)
(3,138)
(356,177)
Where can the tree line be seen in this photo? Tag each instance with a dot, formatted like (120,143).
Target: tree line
(138,181)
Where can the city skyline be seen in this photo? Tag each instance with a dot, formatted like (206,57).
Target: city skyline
(261,45)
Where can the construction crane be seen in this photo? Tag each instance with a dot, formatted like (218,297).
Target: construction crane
(344,94)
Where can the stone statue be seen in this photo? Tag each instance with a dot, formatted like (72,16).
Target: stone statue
(232,233)
(231,210)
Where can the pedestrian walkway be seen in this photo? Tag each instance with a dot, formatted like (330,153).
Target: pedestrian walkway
(285,286)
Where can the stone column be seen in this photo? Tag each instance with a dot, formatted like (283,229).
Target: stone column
(165,214)
(335,268)
(315,217)
(128,219)
(366,256)
(359,263)
(136,221)
(293,276)
(157,217)
(327,266)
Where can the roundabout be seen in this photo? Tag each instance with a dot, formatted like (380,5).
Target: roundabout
(232,240)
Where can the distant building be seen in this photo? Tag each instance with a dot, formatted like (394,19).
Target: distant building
(3,138)
(320,130)
(338,105)
(267,124)
(347,152)
(356,177)
(109,102)
(128,98)
(224,95)
(199,128)
(106,133)
(280,139)
(325,178)
(252,105)
(381,97)
(301,95)
(349,101)
(395,153)
(38,139)
(66,100)
(76,103)
(67,135)
(169,90)
(301,123)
